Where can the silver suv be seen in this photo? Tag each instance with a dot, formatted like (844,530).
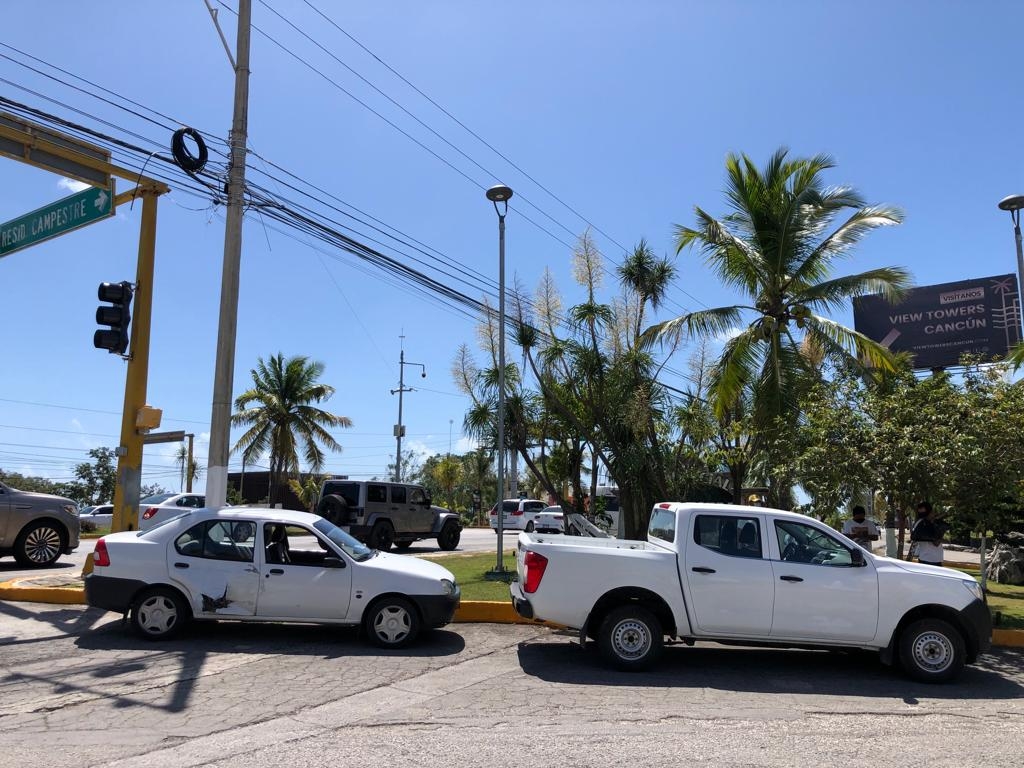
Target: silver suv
(381,514)
(36,528)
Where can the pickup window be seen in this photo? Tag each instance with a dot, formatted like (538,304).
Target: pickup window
(801,543)
(729,535)
(663,525)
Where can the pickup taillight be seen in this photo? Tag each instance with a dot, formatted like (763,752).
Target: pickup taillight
(100,556)
(149,513)
(534,565)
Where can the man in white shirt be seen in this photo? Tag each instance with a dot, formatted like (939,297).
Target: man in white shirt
(860,529)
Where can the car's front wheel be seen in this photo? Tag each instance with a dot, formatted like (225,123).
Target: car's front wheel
(392,622)
(932,651)
(39,544)
(159,613)
(448,538)
(529,527)
(630,638)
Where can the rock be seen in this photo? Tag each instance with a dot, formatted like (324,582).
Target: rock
(1006,562)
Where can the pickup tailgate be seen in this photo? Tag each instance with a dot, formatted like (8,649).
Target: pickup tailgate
(561,578)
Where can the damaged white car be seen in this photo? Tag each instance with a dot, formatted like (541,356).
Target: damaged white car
(266,565)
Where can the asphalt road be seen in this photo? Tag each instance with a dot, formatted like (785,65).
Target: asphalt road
(76,689)
(472,540)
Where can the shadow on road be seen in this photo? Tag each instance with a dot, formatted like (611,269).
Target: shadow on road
(757,670)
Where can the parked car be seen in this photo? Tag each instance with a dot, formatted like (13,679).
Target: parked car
(265,565)
(92,518)
(37,528)
(163,506)
(750,575)
(381,514)
(549,520)
(517,514)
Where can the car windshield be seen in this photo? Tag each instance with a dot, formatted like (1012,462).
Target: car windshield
(352,547)
(158,498)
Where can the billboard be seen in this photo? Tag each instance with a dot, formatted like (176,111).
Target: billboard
(938,323)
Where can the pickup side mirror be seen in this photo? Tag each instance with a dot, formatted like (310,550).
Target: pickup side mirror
(857,557)
(333,562)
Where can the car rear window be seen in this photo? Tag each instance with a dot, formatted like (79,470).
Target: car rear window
(347,490)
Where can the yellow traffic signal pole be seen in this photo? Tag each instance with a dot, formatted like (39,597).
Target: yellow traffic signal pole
(35,147)
(129,458)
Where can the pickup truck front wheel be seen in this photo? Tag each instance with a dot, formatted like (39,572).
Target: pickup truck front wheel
(630,638)
(932,651)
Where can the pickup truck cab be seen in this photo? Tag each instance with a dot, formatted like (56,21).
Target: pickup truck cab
(750,576)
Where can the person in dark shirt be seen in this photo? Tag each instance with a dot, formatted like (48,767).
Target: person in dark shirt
(927,534)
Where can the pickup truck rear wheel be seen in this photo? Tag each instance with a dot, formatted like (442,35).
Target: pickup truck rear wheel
(630,638)
(932,651)
(448,538)
(382,535)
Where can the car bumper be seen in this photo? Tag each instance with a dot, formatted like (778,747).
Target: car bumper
(521,605)
(977,618)
(110,593)
(438,610)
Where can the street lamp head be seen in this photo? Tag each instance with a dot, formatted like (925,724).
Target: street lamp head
(1011,203)
(499,194)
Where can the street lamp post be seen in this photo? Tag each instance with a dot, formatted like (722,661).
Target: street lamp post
(1013,204)
(501,194)
(402,389)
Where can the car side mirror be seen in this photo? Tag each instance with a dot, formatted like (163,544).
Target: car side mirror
(334,562)
(857,557)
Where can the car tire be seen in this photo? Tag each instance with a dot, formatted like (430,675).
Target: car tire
(40,544)
(382,535)
(401,546)
(159,613)
(448,538)
(630,638)
(392,622)
(932,651)
(530,526)
(334,509)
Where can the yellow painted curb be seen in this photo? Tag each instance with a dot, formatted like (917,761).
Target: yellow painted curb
(1013,638)
(11,590)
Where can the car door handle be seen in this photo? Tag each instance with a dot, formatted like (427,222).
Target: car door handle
(181,565)
(790,578)
(702,570)
(276,571)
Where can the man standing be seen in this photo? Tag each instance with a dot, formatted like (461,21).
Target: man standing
(927,534)
(860,529)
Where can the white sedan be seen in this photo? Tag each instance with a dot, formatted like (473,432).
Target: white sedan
(248,564)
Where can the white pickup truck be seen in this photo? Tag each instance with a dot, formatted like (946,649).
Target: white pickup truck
(750,576)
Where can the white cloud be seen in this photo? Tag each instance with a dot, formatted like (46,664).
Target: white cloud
(465,445)
(71,185)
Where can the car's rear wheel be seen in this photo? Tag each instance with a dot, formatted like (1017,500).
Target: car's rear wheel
(932,651)
(392,622)
(159,613)
(448,538)
(39,544)
(529,527)
(382,535)
(630,638)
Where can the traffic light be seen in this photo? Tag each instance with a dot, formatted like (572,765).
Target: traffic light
(118,316)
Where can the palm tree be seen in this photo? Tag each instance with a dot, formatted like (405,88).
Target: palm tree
(283,419)
(777,247)
(181,458)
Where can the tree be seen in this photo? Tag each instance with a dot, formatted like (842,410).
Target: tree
(448,474)
(98,479)
(774,249)
(181,458)
(283,420)
(307,490)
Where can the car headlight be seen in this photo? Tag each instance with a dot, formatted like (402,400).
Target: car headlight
(448,586)
(974,588)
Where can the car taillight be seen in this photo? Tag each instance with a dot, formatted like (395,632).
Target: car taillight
(517,513)
(558,517)
(493,512)
(534,571)
(149,513)
(100,555)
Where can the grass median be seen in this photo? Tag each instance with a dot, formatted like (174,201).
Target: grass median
(469,573)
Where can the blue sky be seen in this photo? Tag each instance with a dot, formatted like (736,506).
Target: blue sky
(625,111)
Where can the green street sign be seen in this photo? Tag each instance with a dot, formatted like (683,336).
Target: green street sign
(56,219)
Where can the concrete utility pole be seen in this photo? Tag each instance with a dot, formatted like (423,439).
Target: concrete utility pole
(402,389)
(220,419)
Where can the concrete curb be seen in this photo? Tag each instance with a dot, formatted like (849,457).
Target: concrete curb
(470,611)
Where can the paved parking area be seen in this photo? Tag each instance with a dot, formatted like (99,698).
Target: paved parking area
(76,689)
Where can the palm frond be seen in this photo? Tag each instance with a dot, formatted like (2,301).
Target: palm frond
(891,282)
(842,342)
(704,322)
